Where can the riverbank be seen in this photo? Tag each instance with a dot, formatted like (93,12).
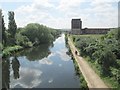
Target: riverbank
(92,79)
(10,50)
(83,83)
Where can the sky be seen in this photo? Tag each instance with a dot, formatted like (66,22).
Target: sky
(58,13)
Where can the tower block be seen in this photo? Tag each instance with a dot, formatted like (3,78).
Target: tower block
(76,26)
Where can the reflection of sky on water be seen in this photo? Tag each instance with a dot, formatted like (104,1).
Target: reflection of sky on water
(50,81)
(63,55)
(45,61)
(60,40)
(29,78)
(54,71)
(59,44)
(60,48)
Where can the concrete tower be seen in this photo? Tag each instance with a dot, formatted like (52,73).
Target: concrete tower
(76,26)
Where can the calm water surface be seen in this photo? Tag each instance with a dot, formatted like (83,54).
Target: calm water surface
(41,67)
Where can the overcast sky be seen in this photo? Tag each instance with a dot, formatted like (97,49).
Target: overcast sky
(58,13)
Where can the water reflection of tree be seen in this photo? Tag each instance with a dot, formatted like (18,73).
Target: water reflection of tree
(15,67)
(5,73)
(36,53)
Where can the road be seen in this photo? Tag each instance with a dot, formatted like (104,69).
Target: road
(92,79)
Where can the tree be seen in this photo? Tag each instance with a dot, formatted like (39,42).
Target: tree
(3,32)
(37,34)
(12,27)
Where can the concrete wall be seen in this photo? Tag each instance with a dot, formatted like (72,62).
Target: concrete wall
(76,31)
(76,24)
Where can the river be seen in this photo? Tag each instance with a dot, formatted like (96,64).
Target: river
(41,67)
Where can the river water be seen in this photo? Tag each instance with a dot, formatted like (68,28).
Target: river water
(41,67)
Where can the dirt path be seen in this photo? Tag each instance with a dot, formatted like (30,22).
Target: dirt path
(92,79)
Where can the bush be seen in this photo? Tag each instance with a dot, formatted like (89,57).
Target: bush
(9,50)
(104,52)
(23,41)
(37,33)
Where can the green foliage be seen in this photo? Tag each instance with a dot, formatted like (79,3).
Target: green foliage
(104,51)
(83,83)
(37,33)
(66,39)
(3,32)
(2,29)
(54,32)
(23,41)
(116,74)
(36,53)
(12,27)
(9,50)
(1,46)
(1,49)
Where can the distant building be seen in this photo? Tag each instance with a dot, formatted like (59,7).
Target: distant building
(76,28)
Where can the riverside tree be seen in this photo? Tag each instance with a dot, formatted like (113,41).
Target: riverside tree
(12,27)
(3,32)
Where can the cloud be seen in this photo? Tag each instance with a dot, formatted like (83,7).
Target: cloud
(60,40)
(66,5)
(45,61)
(62,55)
(98,1)
(16,0)
(51,55)
(60,65)
(99,15)
(105,14)
(58,13)
(34,12)
(29,78)
(50,81)
(42,4)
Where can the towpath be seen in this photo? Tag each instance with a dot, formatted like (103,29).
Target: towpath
(92,79)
